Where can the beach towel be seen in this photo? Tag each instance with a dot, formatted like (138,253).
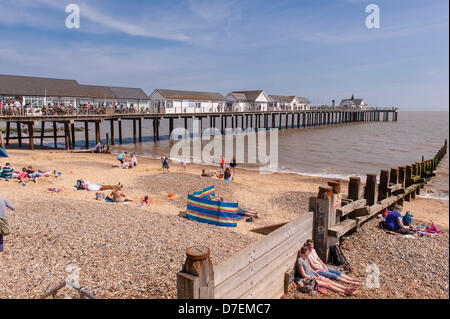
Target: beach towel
(110,201)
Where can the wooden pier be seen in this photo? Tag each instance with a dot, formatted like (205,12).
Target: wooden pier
(245,120)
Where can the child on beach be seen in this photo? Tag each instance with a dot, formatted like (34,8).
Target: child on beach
(146,201)
(133,161)
(166,164)
(222,163)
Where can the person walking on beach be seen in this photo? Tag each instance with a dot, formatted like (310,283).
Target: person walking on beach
(4,226)
(233,164)
(166,164)
(222,163)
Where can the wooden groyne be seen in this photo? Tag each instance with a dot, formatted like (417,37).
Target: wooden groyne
(244,120)
(263,270)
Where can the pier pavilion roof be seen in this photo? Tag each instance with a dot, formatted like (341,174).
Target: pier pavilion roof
(282,98)
(36,86)
(190,95)
(97,92)
(129,93)
(248,96)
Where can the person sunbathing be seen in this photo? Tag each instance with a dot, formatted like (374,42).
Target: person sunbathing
(245,213)
(117,196)
(323,270)
(97,187)
(303,269)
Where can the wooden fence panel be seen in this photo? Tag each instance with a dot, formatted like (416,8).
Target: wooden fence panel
(252,266)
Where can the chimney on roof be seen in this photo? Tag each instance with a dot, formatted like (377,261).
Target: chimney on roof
(353,97)
(333,103)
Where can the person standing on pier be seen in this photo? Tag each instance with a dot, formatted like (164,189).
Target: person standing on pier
(4,226)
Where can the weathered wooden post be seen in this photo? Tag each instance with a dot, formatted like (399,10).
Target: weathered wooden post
(383,186)
(336,189)
(42,132)
(140,130)
(322,208)
(86,134)
(55,134)
(354,188)
(19,134)
(97,132)
(119,122)
(408,176)
(66,135)
(401,175)
(196,279)
(370,191)
(72,130)
(112,131)
(30,136)
(393,179)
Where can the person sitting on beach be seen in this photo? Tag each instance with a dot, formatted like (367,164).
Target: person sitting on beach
(227,175)
(23,177)
(7,172)
(206,174)
(100,148)
(146,201)
(117,196)
(303,270)
(97,187)
(133,161)
(121,157)
(323,270)
(394,222)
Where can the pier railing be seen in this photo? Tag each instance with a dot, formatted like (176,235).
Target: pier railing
(264,269)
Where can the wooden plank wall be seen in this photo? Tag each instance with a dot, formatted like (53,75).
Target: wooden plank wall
(257,272)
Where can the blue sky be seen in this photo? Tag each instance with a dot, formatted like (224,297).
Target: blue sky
(320,49)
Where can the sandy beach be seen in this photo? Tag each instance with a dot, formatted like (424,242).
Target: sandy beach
(124,251)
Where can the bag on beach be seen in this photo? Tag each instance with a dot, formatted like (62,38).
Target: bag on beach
(4,227)
(307,286)
(338,258)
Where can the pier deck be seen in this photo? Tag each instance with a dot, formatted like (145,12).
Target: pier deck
(254,119)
